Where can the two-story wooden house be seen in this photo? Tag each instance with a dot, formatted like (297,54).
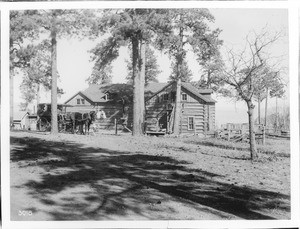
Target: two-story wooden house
(113,100)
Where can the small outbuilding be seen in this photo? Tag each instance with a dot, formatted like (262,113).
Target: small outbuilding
(32,122)
(21,120)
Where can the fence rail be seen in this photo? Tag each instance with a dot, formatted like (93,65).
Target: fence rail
(242,135)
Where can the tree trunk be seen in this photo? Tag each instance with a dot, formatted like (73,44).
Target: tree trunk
(253,149)
(38,96)
(179,60)
(266,108)
(142,82)
(208,79)
(11,85)
(137,121)
(276,120)
(177,107)
(258,103)
(54,125)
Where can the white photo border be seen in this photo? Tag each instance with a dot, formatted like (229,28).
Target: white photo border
(291,6)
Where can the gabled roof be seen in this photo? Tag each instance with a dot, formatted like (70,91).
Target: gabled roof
(81,94)
(96,93)
(189,87)
(198,92)
(154,87)
(19,115)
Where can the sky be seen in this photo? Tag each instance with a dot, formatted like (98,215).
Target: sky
(74,64)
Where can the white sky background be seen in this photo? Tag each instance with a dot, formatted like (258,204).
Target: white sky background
(74,66)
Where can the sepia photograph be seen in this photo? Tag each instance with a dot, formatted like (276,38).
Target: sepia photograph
(121,114)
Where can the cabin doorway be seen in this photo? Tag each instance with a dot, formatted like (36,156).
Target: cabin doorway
(163,121)
(166,120)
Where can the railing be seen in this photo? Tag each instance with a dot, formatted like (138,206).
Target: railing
(237,135)
(260,132)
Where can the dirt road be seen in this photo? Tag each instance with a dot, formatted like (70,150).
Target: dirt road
(107,177)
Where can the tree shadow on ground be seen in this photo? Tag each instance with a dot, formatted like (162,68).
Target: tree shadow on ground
(85,183)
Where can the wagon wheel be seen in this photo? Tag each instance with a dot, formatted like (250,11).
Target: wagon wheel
(61,126)
(67,126)
(43,124)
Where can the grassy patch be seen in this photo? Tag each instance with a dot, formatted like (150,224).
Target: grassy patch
(275,147)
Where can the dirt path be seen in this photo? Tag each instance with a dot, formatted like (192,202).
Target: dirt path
(107,177)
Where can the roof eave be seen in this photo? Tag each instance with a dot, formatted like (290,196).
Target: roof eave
(83,95)
(160,90)
(199,95)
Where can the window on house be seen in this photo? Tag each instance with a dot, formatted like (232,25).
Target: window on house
(78,101)
(82,101)
(166,97)
(184,97)
(191,123)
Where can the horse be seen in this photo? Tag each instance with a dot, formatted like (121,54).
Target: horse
(88,118)
(76,119)
(79,119)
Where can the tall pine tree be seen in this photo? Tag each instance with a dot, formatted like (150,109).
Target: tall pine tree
(52,24)
(134,27)
(151,67)
(190,31)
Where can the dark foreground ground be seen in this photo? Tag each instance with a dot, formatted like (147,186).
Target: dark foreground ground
(107,177)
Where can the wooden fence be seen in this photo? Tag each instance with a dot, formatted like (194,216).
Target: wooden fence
(242,135)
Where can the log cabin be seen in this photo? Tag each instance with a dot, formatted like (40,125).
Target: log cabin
(115,100)
(197,110)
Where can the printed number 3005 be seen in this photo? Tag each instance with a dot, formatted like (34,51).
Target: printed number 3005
(25,213)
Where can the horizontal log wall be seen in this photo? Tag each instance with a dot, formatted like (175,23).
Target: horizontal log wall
(212,117)
(156,108)
(199,112)
(204,114)
(153,113)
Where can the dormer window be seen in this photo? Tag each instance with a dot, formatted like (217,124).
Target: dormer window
(80,101)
